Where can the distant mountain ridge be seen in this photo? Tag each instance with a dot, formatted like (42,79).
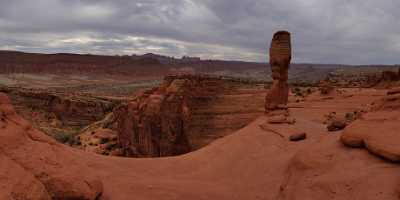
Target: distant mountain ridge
(157,65)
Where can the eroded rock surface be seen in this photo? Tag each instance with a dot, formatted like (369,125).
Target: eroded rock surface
(280,54)
(185,113)
(326,170)
(377,131)
(58,114)
(37,167)
(156,123)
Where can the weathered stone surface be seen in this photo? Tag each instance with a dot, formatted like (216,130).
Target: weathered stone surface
(377,131)
(217,106)
(380,137)
(297,137)
(390,102)
(17,183)
(336,125)
(49,170)
(156,124)
(393,91)
(281,119)
(280,56)
(58,114)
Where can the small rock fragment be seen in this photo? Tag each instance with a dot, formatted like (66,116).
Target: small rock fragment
(298,137)
(281,119)
(336,125)
(290,120)
(277,119)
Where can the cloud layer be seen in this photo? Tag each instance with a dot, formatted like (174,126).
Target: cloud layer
(329,31)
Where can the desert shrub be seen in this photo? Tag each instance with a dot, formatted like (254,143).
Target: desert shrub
(104,140)
(61,137)
(69,139)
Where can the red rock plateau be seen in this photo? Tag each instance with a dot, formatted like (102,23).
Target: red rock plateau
(18,62)
(151,66)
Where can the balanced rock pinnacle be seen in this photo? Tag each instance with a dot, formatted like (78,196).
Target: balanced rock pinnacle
(279,58)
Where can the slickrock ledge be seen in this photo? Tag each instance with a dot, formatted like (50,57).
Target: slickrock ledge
(37,167)
(378,131)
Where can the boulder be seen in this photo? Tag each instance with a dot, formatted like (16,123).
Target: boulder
(336,124)
(380,137)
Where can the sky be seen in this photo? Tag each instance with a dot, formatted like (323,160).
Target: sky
(323,31)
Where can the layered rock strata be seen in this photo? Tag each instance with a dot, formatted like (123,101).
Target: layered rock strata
(280,55)
(156,123)
(34,166)
(377,131)
(185,113)
(55,112)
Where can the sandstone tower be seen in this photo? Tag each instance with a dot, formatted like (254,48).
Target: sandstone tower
(280,54)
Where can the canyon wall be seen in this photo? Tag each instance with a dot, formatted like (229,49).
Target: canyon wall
(52,111)
(183,114)
(156,123)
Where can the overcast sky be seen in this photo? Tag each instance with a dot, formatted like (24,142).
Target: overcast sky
(323,31)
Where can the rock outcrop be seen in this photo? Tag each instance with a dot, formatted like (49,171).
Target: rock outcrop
(156,123)
(280,56)
(326,170)
(64,63)
(58,115)
(71,110)
(298,137)
(34,166)
(377,131)
(199,108)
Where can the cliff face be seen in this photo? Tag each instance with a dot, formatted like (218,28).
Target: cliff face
(231,109)
(156,123)
(183,114)
(52,112)
(19,62)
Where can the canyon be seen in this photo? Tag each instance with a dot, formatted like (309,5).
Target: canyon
(183,114)
(239,166)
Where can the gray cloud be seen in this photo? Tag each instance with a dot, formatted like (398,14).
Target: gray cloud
(331,31)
